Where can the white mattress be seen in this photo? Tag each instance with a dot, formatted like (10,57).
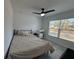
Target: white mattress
(28,47)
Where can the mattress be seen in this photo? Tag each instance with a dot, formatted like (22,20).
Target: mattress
(28,47)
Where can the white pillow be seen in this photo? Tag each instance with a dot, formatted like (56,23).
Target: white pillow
(19,32)
(24,32)
(27,32)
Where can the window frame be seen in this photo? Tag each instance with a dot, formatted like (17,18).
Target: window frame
(59,29)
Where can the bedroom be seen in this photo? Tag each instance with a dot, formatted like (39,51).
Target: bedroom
(19,16)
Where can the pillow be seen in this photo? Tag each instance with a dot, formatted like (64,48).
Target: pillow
(24,32)
(27,32)
(19,32)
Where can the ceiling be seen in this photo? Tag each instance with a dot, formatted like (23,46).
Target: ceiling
(35,5)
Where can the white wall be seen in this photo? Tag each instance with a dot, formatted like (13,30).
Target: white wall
(45,25)
(8,25)
(24,19)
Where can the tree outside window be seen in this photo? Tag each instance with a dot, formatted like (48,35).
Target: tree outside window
(62,29)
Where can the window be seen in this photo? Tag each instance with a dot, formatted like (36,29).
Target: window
(62,29)
(53,28)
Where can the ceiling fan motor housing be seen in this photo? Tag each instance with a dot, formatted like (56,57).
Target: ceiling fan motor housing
(42,10)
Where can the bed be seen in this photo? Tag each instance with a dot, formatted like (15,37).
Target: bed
(28,47)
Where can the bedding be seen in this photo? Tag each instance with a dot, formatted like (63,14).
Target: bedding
(23,32)
(28,47)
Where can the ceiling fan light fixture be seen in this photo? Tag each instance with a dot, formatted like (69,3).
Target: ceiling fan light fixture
(42,14)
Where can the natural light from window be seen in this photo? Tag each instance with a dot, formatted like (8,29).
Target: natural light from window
(62,29)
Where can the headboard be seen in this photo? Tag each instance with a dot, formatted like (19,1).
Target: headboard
(18,31)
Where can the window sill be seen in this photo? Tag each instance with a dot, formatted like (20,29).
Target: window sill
(71,40)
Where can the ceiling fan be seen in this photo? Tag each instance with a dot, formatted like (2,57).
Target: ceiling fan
(42,13)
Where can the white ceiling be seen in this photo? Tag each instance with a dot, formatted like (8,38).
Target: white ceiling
(58,5)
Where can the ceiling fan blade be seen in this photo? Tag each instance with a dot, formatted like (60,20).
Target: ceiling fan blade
(36,13)
(49,11)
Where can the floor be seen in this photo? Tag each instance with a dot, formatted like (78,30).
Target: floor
(59,50)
